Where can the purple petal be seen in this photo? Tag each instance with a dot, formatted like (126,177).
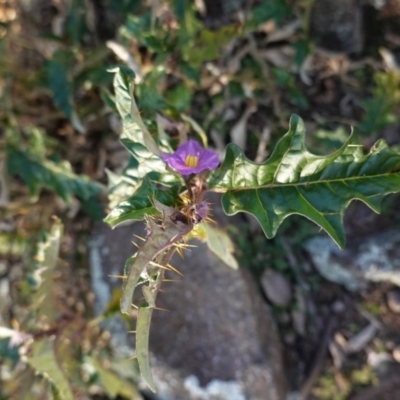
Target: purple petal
(202,210)
(191,147)
(207,159)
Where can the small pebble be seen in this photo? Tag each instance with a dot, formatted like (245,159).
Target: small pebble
(393,300)
(396,353)
(338,307)
(276,287)
(289,338)
(378,360)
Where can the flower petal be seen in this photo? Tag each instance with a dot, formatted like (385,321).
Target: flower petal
(207,159)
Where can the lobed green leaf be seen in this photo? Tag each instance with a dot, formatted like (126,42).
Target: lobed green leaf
(145,162)
(294,181)
(135,134)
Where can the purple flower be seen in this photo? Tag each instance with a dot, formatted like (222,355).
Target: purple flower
(202,211)
(191,158)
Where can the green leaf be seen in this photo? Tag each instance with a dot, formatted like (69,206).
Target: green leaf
(208,45)
(139,205)
(135,134)
(8,351)
(190,71)
(114,384)
(285,80)
(38,171)
(150,91)
(180,96)
(137,27)
(46,258)
(58,80)
(189,24)
(75,24)
(277,10)
(294,181)
(142,345)
(380,110)
(42,358)
(147,139)
(144,162)
(219,242)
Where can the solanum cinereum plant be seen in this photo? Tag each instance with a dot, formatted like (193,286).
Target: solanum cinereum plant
(168,186)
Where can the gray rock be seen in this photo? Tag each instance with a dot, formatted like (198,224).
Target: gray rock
(276,287)
(372,259)
(337,25)
(218,341)
(220,12)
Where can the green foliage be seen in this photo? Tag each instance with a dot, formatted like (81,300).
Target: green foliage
(44,361)
(113,383)
(54,343)
(285,80)
(142,344)
(276,10)
(7,351)
(179,97)
(76,24)
(380,109)
(219,242)
(257,253)
(208,44)
(137,206)
(294,181)
(145,166)
(42,355)
(58,80)
(326,389)
(48,248)
(37,170)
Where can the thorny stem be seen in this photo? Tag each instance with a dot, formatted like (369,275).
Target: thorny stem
(198,184)
(188,183)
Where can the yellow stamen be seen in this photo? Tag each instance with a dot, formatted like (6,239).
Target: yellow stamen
(191,161)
